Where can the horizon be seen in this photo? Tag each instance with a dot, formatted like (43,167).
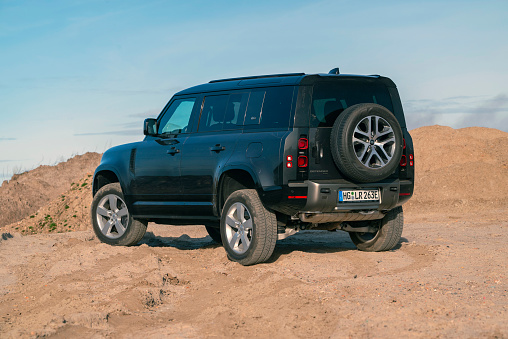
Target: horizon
(82,76)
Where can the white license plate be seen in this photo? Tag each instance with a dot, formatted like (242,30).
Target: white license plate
(359,196)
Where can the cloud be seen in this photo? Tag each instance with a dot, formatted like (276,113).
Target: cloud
(6,139)
(497,104)
(459,112)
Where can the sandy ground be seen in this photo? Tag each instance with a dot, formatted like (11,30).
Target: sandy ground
(446,279)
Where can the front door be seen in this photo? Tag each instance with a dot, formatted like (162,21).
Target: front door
(156,187)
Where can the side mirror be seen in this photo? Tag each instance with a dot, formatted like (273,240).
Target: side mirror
(150,126)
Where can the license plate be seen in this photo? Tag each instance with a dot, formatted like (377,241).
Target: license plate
(359,196)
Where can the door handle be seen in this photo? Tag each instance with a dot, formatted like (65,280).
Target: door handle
(173,151)
(217,148)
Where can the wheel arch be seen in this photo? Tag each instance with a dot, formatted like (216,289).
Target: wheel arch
(103,177)
(231,180)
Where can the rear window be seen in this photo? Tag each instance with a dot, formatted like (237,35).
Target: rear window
(330,99)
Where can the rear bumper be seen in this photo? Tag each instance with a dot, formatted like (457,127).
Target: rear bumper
(322,203)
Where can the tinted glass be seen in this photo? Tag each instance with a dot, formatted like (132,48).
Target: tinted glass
(255,107)
(330,99)
(176,118)
(235,110)
(269,108)
(212,115)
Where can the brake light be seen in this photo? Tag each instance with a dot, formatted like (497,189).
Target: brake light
(303,143)
(404,140)
(403,161)
(411,163)
(303,161)
(302,157)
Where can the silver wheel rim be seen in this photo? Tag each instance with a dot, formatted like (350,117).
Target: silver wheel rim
(112,216)
(374,142)
(239,228)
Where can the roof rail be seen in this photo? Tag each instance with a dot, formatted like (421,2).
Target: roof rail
(259,77)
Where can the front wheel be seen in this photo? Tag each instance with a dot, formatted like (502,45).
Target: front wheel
(387,236)
(248,229)
(111,220)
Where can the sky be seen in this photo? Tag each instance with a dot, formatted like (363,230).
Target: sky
(82,75)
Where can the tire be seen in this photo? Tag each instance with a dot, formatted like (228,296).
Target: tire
(386,238)
(214,233)
(248,229)
(366,142)
(111,220)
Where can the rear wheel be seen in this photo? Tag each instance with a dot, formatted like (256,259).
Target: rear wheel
(387,236)
(111,220)
(214,233)
(248,229)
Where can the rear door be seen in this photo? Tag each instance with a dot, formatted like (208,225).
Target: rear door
(329,99)
(206,152)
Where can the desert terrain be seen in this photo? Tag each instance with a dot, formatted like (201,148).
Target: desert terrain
(448,277)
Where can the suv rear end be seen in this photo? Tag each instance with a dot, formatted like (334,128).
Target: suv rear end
(356,195)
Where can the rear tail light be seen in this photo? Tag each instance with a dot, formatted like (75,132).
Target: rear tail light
(403,158)
(403,161)
(303,143)
(298,161)
(303,161)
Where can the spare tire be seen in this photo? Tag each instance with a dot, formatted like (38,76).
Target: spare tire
(366,142)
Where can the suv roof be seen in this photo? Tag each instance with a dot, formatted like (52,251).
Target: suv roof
(275,80)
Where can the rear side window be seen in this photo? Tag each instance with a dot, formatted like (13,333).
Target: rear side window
(269,108)
(212,115)
(223,112)
(330,99)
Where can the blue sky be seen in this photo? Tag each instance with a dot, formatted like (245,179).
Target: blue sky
(79,76)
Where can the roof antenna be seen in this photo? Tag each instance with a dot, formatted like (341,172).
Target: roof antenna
(334,71)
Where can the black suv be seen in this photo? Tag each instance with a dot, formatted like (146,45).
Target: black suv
(256,159)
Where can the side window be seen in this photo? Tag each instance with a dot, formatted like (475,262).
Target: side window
(235,111)
(255,107)
(212,115)
(224,111)
(269,108)
(176,118)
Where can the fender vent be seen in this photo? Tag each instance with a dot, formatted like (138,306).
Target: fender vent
(132,161)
